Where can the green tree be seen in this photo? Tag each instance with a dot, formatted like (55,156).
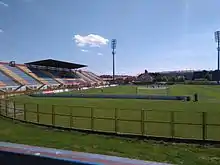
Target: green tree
(208,76)
(164,78)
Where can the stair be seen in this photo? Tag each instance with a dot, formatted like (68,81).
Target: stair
(13,75)
(90,77)
(97,77)
(52,76)
(29,72)
(79,77)
(94,76)
(84,77)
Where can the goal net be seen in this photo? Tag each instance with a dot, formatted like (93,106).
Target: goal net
(153,90)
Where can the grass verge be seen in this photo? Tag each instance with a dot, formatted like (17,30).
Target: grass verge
(17,132)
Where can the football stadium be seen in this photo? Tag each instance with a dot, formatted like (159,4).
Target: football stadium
(109,82)
(61,95)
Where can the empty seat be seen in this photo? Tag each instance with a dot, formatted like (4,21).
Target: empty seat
(2,84)
(72,82)
(30,80)
(43,75)
(7,80)
(94,76)
(29,72)
(63,74)
(89,76)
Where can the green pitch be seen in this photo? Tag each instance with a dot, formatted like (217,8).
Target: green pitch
(187,115)
(146,150)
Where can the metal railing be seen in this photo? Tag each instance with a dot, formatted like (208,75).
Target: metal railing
(169,124)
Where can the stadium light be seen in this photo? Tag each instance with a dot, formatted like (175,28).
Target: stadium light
(217,36)
(113,44)
(217,39)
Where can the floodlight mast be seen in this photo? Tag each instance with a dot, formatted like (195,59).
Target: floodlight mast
(217,39)
(113,44)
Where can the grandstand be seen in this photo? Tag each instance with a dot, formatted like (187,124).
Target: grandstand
(45,74)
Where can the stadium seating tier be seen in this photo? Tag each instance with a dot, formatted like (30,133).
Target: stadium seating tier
(19,74)
(29,72)
(23,75)
(7,80)
(43,75)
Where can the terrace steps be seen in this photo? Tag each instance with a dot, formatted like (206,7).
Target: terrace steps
(89,77)
(52,76)
(12,75)
(93,76)
(79,77)
(30,73)
(84,77)
(7,80)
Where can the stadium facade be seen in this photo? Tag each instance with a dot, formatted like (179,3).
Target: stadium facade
(45,74)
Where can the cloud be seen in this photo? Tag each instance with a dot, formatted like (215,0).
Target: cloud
(4,4)
(84,50)
(100,54)
(1,31)
(91,40)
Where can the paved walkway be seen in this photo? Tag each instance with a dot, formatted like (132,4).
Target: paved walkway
(73,156)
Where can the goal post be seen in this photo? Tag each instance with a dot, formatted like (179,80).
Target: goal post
(153,90)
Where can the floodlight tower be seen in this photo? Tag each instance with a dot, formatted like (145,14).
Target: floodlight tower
(217,39)
(113,44)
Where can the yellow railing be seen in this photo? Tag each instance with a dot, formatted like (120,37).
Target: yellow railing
(168,124)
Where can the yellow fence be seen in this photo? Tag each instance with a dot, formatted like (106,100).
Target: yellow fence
(170,124)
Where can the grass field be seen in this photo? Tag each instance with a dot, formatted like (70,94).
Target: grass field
(156,118)
(186,112)
(147,150)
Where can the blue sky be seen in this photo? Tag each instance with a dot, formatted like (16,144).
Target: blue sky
(152,34)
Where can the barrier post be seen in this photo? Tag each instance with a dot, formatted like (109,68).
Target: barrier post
(6,107)
(25,117)
(142,122)
(71,117)
(14,109)
(92,119)
(0,106)
(53,116)
(172,130)
(38,116)
(116,120)
(204,129)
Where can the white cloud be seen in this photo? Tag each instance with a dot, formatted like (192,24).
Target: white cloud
(100,54)
(1,31)
(84,50)
(91,40)
(4,4)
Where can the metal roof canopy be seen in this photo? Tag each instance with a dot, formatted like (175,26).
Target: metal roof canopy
(56,64)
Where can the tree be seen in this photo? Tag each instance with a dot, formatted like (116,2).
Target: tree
(208,76)
(157,77)
(164,78)
(180,78)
